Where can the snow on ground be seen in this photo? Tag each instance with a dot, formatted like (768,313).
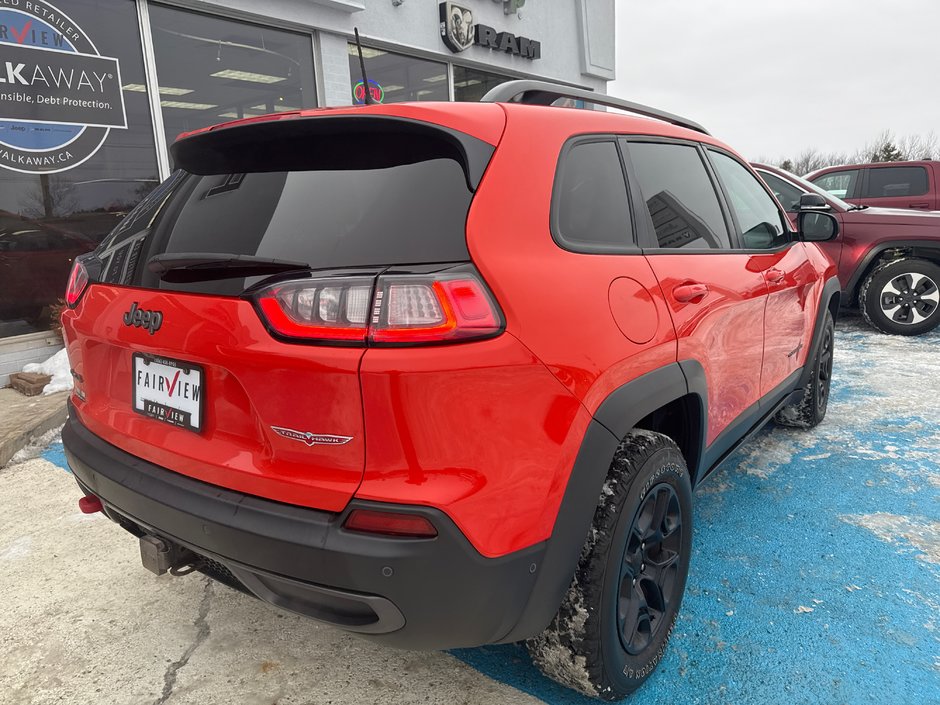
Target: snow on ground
(58,367)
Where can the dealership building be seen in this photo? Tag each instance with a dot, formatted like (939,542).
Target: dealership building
(93,92)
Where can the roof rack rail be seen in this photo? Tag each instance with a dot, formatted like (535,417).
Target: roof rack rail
(545,93)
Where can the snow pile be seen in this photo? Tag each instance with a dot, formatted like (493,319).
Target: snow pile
(57,366)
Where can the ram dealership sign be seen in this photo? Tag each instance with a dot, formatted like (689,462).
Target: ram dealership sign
(59,97)
(459,32)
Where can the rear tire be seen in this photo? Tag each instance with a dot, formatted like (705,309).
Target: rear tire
(902,297)
(811,409)
(611,630)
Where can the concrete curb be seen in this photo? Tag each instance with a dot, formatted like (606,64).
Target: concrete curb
(20,429)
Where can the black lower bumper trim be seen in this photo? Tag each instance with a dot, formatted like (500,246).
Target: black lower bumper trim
(414,593)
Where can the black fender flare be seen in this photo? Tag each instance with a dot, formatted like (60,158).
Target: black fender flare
(928,249)
(616,416)
(831,291)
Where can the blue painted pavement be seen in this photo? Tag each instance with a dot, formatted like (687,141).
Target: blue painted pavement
(815,574)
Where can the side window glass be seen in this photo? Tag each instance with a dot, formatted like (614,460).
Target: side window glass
(591,204)
(679,195)
(788,194)
(840,184)
(759,218)
(897,181)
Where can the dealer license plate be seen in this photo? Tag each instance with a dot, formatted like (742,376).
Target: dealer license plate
(168,390)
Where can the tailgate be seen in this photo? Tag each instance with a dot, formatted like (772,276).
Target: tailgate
(251,385)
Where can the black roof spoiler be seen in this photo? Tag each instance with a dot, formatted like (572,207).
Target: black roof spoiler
(545,93)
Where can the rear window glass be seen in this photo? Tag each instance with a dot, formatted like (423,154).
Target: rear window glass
(591,204)
(406,213)
(897,181)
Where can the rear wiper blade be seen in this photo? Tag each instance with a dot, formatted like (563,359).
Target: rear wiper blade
(181,267)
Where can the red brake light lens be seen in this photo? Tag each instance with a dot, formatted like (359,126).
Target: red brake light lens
(78,282)
(396,310)
(390,524)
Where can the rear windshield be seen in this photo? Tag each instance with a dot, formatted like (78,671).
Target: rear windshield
(363,212)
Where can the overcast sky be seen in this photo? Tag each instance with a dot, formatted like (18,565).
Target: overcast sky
(772,77)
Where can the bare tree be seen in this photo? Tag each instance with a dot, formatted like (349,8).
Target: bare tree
(53,196)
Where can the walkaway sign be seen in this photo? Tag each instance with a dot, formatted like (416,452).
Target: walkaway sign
(59,98)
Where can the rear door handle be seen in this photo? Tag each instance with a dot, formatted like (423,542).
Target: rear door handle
(691,293)
(921,206)
(774,275)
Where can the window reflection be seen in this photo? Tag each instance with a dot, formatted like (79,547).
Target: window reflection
(46,220)
(472,84)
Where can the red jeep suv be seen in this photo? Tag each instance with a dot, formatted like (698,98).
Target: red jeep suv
(445,374)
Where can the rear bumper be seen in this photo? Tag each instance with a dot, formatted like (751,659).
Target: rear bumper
(412,593)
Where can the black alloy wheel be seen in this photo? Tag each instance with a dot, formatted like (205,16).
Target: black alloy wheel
(649,570)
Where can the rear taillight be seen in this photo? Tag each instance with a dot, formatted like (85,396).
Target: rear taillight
(319,309)
(399,310)
(369,521)
(78,281)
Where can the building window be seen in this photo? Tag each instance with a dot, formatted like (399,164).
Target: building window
(211,69)
(68,175)
(395,78)
(472,84)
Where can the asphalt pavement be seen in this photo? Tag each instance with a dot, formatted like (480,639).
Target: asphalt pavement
(815,579)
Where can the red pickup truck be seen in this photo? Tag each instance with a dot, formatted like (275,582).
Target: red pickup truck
(888,184)
(888,258)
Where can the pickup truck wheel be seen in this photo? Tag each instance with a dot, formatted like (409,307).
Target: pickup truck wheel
(811,409)
(611,630)
(902,297)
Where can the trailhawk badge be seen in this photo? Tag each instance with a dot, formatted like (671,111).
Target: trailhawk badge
(457,28)
(59,97)
(312,439)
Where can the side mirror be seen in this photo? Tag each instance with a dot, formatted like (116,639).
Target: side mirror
(815,226)
(813,202)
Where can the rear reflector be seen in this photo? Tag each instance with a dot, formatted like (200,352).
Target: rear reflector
(401,309)
(390,524)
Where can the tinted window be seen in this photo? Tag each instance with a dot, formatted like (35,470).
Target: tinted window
(394,78)
(838,183)
(788,194)
(897,181)
(758,217)
(409,213)
(679,195)
(78,201)
(473,84)
(213,69)
(591,197)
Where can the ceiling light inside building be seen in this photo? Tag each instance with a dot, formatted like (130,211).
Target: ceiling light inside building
(392,88)
(164,90)
(247,76)
(435,79)
(367,52)
(186,106)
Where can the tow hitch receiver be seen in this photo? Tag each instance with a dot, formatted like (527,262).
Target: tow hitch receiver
(160,556)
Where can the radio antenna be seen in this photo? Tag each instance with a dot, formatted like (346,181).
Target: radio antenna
(366,93)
